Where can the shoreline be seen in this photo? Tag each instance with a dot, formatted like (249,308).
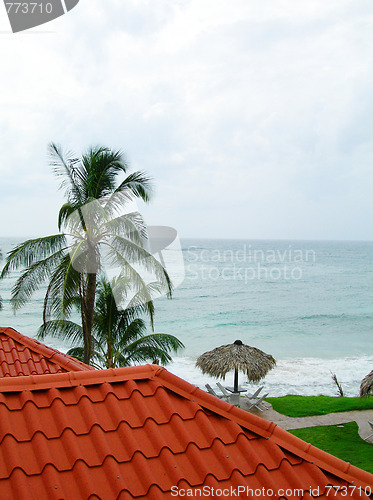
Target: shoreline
(298,376)
(307,376)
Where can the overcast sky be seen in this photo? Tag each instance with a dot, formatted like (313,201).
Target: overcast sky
(254,118)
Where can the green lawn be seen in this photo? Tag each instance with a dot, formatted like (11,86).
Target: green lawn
(304,406)
(342,441)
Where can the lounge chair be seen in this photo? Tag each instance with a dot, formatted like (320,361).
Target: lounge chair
(370,435)
(256,393)
(232,397)
(255,403)
(256,396)
(211,391)
(223,390)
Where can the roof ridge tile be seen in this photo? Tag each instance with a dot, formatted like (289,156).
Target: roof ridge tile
(76,378)
(59,358)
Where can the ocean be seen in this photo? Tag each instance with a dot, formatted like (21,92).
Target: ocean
(309,304)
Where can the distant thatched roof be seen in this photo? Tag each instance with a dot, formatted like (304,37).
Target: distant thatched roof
(237,356)
(366,387)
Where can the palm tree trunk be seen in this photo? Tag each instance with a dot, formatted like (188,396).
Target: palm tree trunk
(109,354)
(89,313)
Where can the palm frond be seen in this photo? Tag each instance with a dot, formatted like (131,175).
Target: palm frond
(129,330)
(102,166)
(150,347)
(163,341)
(32,278)
(126,270)
(97,361)
(31,251)
(130,225)
(118,294)
(62,292)
(65,165)
(145,294)
(138,184)
(65,212)
(61,328)
(142,303)
(76,352)
(126,252)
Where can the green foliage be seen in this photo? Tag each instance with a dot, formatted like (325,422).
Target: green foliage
(305,406)
(120,337)
(342,441)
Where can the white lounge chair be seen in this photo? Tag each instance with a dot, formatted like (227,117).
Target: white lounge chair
(252,397)
(256,393)
(232,397)
(223,390)
(211,391)
(370,435)
(255,403)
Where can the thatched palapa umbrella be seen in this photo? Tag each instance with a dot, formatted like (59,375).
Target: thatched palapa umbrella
(238,357)
(366,387)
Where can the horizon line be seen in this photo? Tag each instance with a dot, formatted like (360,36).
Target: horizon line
(217,238)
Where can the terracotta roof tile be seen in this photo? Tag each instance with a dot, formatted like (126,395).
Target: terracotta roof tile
(137,432)
(22,356)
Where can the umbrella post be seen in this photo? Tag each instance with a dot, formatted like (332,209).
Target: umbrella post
(235,379)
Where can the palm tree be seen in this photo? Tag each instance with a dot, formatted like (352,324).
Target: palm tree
(71,260)
(119,334)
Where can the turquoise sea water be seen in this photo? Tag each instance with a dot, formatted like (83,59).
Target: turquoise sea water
(309,304)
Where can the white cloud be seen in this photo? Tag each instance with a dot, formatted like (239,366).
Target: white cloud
(254,118)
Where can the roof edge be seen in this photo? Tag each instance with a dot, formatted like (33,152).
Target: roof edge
(75,378)
(267,429)
(53,355)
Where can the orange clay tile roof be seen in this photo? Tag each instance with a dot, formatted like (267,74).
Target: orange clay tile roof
(139,432)
(20,355)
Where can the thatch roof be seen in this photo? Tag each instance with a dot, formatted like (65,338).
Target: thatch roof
(237,356)
(366,387)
